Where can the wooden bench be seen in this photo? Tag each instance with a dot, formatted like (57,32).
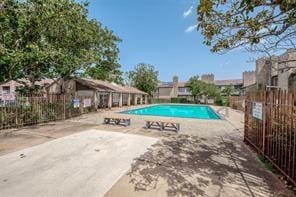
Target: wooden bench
(162,125)
(117,120)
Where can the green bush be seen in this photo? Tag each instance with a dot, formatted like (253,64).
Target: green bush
(266,163)
(157,100)
(180,100)
(221,101)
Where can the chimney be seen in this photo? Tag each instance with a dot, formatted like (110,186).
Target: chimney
(175,80)
(175,90)
(208,78)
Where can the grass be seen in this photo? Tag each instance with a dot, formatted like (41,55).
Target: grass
(266,163)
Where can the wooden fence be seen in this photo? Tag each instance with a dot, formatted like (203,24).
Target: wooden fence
(32,110)
(270,127)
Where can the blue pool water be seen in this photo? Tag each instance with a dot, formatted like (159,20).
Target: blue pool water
(182,111)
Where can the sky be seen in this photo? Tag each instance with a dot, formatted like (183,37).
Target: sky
(163,33)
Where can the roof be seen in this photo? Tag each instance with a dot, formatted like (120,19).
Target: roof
(170,84)
(250,85)
(228,82)
(134,90)
(107,86)
(10,82)
(94,84)
(23,81)
(181,84)
(165,84)
(216,82)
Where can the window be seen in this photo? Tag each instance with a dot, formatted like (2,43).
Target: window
(6,90)
(183,90)
(274,81)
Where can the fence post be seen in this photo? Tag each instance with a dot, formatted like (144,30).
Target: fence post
(264,121)
(16,111)
(81,105)
(246,116)
(64,102)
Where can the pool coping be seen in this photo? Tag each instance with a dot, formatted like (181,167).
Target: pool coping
(220,116)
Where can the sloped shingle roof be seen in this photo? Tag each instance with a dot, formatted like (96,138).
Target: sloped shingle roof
(107,86)
(216,82)
(23,82)
(228,82)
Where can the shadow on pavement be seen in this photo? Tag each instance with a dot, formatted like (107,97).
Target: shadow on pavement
(193,166)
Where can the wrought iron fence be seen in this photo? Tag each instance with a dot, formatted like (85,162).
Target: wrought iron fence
(30,110)
(236,102)
(270,127)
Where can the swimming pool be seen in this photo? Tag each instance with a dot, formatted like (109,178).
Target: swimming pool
(181,111)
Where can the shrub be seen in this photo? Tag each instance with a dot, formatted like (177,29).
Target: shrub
(221,101)
(180,100)
(157,100)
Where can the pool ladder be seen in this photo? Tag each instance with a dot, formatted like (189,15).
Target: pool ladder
(226,114)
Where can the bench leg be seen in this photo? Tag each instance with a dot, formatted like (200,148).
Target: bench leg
(178,128)
(127,123)
(106,120)
(117,121)
(161,126)
(147,125)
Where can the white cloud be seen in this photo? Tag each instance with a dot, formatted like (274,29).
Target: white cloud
(188,12)
(191,28)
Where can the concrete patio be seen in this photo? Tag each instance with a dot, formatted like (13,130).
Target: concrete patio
(83,164)
(207,158)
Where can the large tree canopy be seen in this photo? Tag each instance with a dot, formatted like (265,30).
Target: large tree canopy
(144,77)
(228,24)
(52,38)
(200,88)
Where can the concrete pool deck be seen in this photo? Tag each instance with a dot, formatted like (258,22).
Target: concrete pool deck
(189,126)
(83,164)
(207,158)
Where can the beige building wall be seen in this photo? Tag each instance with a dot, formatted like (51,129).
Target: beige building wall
(175,90)
(164,92)
(249,78)
(12,87)
(286,67)
(56,88)
(61,86)
(277,67)
(262,72)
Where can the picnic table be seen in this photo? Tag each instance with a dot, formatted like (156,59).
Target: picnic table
(163,124)
(117,120)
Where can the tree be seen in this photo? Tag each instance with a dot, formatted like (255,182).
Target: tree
(52,38)
(105,71)
(144,77)
(228,24)
(195,86)
(229,90)
(200,88)
(210,90)
(9,41)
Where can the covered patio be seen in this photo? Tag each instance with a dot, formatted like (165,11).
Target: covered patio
(108,95)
